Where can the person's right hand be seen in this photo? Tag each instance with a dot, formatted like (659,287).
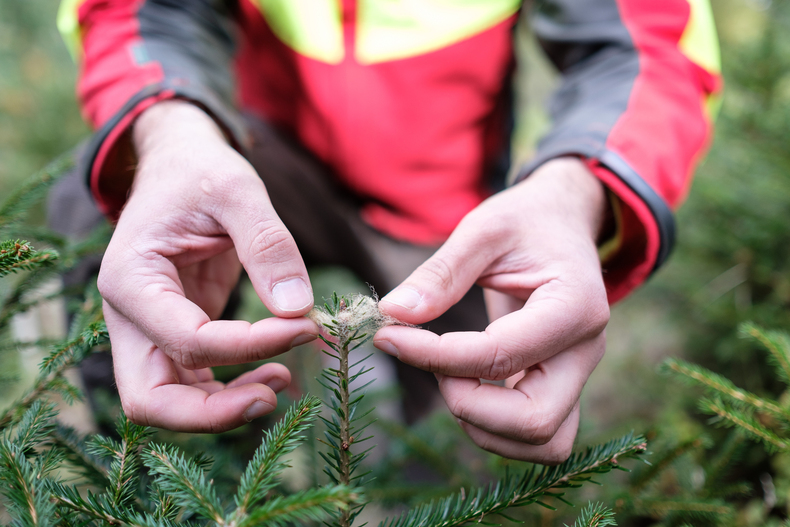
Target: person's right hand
(197,212)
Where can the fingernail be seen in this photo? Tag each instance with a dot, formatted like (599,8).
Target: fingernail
(292,294)
(386,346)
(303,339)
(404,297)
(257,409)
(277,384)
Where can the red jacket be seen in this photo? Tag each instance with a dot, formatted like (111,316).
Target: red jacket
(408,101)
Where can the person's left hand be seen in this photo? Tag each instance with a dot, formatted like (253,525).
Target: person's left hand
(533,248)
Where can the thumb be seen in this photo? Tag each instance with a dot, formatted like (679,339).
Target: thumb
(441,281)
(269,254)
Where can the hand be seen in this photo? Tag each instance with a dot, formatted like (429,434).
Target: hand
(196,214)
(533,248)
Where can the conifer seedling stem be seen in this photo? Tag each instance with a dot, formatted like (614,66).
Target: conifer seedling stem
(350,322)
(345,436)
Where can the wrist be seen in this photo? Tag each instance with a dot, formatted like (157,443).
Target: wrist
(177,138)
(565,188)
(173,123)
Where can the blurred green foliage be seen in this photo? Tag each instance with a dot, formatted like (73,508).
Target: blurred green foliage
(733,257)
(39,117)
(731,263)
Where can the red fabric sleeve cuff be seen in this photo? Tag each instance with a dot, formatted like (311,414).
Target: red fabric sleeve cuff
(634,258)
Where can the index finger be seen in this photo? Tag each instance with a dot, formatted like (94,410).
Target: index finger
(152,298)
(552,320)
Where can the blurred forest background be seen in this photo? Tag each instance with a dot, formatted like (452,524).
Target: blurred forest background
(731,263)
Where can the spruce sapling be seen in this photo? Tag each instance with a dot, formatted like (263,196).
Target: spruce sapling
(349,322)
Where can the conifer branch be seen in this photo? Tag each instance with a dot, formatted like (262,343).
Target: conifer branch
(16,206)
(716,383)
(20,482)
(96,507)
(727,455)
(15,305)
(77,453)
(124,470)
(185,481)
(93,506)
(733,417)
(533,487)
(165,509)
(19,255)
(54,366)
(261,473)
(117,503)
(15,345)
(595,515)
(41,235)
(350,322)
(23,479)
(63,259)
(777,344)
(659,508)
(35,425)
(658,466)
(16,302)
(317,504)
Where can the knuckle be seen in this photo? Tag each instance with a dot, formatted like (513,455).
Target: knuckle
(599,348)
(222,193)
(487,443)
(184,354)
(558,452)
(439,272)
(501,366)
(109,280)
(427,363)
(223,185)
(460,408)
(134,412)
(105,282)
(592,317)
(271,242)
(493,225)
(537,428)
(494,228)
(215,426)
(599,317)
(188,360)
